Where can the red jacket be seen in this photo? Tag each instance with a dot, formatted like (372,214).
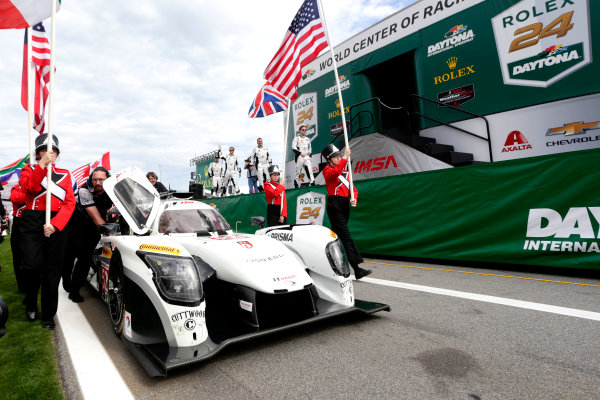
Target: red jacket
(336,179)
(275,193)
(17,198)
(33,183)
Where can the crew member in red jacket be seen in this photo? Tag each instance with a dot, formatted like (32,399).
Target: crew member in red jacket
(276,200)
(44,244)
(338,204)
(17,198)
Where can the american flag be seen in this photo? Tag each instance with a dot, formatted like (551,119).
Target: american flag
(40,55)
(268,101)
(302,43)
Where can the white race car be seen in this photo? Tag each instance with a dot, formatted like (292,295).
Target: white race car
(181,285)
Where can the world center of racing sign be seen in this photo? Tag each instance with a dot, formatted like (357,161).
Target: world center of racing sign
(540,42)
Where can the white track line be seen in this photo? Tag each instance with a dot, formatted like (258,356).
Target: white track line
(572,312)
(98,378)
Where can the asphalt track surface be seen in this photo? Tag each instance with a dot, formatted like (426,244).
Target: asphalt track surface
(453,333)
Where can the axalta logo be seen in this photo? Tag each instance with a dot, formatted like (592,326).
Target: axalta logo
(375,164)
(344,84)
(515,141)
(522,30)
(459,34)
(452,63)
(576,232)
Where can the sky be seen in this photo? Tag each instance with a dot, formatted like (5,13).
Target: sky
(157,83)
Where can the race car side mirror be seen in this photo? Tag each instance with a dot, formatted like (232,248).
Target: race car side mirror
(257,221)
(108,229)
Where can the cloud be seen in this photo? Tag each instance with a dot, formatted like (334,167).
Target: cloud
(160,83)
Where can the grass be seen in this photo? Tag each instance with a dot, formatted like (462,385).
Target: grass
(28,363)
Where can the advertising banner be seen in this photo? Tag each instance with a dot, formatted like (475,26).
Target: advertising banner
(310,208)
(537,211)
(540,42)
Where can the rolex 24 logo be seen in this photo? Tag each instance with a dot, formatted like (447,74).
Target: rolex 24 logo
(539,42)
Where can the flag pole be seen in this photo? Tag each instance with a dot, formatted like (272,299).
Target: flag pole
(29,96)
(285,134)
(50,119)
(339,90)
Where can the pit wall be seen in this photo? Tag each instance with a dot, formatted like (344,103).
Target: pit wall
(542,211)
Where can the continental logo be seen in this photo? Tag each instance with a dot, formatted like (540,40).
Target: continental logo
(454,73)
(456,36)
(160,249)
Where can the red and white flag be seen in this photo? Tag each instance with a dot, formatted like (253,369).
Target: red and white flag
(18,14)
(40,56)
(302,43)
(81,174)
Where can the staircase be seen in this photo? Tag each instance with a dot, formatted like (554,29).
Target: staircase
(404,128)
(429,146)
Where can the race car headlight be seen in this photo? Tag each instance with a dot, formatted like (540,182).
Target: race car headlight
(176,278)
(337,258)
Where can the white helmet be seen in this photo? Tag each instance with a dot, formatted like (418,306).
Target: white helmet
(274,169)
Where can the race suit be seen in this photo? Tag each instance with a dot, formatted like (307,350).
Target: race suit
(232,170)
(261,157)
(215,173)
(301,145)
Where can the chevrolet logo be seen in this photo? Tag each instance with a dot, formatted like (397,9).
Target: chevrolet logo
(573,128)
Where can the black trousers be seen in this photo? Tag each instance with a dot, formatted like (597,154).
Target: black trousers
(84,242)
(338,210)
(273,214)
(42,262)
(17,253)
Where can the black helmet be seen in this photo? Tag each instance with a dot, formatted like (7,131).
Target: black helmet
(274,169)
(330,151)
(41,142)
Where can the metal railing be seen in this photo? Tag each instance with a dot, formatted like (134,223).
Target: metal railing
(487,125)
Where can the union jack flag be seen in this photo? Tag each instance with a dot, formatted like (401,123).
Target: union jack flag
(40,56)
(268,101)
(302,43)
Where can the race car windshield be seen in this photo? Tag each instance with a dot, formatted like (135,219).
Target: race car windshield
(136,199)
(200,222)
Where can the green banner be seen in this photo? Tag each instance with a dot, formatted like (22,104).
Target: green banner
(535,211)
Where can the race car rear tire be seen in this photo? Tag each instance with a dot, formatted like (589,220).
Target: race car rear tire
(116,303)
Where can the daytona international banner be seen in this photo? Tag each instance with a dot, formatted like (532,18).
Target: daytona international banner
(538,211)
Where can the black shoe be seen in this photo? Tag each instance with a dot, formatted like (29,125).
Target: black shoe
(48,324)
(361,273)
(75,297)
(31,315)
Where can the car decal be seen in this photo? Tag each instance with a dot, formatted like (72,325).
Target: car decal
(160,249)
